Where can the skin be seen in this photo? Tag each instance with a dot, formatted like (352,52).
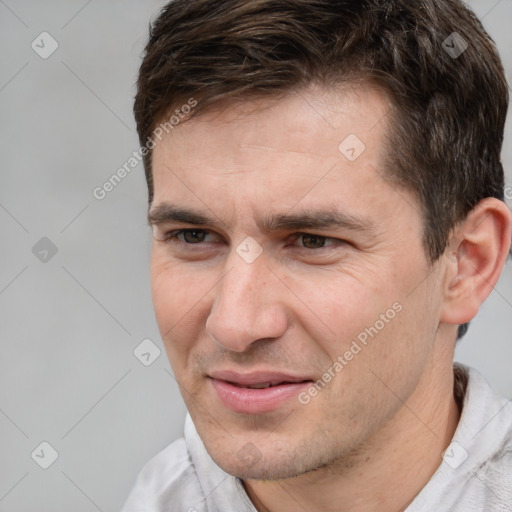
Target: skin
(373,437)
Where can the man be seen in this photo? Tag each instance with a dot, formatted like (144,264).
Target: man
(326,199)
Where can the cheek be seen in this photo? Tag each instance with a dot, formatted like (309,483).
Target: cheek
(180,300)
(338,307)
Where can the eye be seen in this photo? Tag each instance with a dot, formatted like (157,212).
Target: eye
(192,236)
(312,241)
(188,236)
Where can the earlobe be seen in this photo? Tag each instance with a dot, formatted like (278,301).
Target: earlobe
(475,257)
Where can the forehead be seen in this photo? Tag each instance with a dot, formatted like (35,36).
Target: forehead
(310,121)
(316,147)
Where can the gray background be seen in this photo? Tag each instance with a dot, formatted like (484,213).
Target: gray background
(69,325)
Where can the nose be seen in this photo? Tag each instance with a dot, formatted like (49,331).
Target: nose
(248,305)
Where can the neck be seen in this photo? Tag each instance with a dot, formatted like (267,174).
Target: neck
(390,469)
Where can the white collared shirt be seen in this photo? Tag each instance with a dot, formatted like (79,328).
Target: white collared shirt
(474,476)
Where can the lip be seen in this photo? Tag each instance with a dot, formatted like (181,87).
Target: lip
(231,388)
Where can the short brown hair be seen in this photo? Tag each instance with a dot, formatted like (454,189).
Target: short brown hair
(433,58)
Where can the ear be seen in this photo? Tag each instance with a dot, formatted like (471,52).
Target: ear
(475,257)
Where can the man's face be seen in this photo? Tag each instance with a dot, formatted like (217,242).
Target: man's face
(306,258)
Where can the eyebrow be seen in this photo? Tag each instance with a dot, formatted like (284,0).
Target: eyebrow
(306,219)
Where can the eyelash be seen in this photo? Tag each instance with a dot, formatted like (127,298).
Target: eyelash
(172,235)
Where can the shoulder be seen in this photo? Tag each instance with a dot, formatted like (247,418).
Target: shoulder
(169,477)
(493,439)
(490,481)
(486,424)
(476,469)
(481,471)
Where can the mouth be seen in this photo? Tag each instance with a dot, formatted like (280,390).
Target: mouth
(257,392)
(258,386)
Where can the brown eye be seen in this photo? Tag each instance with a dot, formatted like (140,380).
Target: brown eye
(192,236)
(313,241)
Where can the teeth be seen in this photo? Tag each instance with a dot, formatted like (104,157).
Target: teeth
(259,386)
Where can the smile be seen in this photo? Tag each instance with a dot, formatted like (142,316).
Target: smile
(256,393)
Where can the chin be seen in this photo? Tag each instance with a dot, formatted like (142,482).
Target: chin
(271,463)
(260,470)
